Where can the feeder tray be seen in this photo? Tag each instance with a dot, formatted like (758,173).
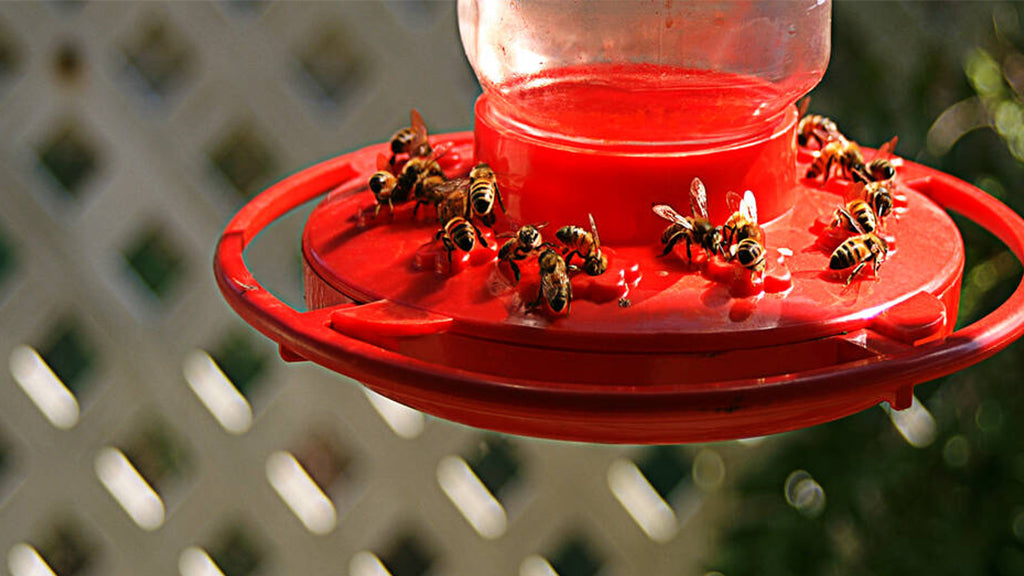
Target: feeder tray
(658,349)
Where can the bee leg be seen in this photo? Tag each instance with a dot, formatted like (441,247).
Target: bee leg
(568,257)
(515,270)
(489,219)
(689,255)
(854,273)
(497,196)
(376,211)
(670,245)
(479,235)
(450,247)
(531,306)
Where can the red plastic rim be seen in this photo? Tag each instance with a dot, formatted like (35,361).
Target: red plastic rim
(668,413)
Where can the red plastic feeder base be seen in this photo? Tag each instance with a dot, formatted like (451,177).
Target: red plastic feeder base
(656,350)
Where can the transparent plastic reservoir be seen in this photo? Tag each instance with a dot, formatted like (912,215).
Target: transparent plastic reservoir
(644,72)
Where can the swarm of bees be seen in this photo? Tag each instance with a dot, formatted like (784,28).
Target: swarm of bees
(869,197)
(554,261)
(739,239)
(411,173)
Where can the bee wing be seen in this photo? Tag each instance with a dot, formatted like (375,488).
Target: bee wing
(439,151)
(418,126)
(593,232)
(733,201)
(698,199)
(856,191)
(451,186)
(748,206)
(802,106)
(885,150)
(542,225)
(668,213)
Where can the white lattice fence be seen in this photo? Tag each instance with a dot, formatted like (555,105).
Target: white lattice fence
(144,429)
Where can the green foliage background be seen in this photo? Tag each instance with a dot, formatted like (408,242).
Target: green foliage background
(947,78)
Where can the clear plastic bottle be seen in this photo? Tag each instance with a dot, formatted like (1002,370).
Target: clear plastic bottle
(643,71)
(604,107)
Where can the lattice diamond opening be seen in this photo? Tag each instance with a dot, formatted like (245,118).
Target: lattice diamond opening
(331,66)
(160,456)
(576,556)
(496,463)
(9,56)
(67,550)
(157,58)
(408,556)
(241,361)
(666,468)
(7,259)
(155,261)
(69,159)
(69,353)
(244,161)
(237,552)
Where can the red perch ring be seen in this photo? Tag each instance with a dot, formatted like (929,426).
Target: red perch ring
(697,355)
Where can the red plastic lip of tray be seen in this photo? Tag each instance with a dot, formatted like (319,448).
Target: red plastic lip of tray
(737,408)
(671,318)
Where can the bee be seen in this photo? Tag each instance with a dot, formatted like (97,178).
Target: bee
(814,127)
(458,233)
(587,245)
(878,195)
(695,229)
(857,251)
(857,216)
(456,230)
(483,190)
(524,242)
(393,189)
(840,153)
(881,168)
(742,224)
(411,140)
(555,286)
(435,189)
(750,254)
(745,235)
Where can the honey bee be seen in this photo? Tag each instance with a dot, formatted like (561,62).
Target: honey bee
(814,127)
(393,189)
(857,251)
(880,168)
(587,245)
(750,254)
(483,190)
(383,184)
(745,235)
(435,189)
(555,286)
(742,223)
(856,216)
(878,195)
(456,230)
(843,154)
(695,229)
(459,233)
(411,140)
(524,242)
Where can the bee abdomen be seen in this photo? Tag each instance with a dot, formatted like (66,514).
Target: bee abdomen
(844,256)
(750,254)
(461,233)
